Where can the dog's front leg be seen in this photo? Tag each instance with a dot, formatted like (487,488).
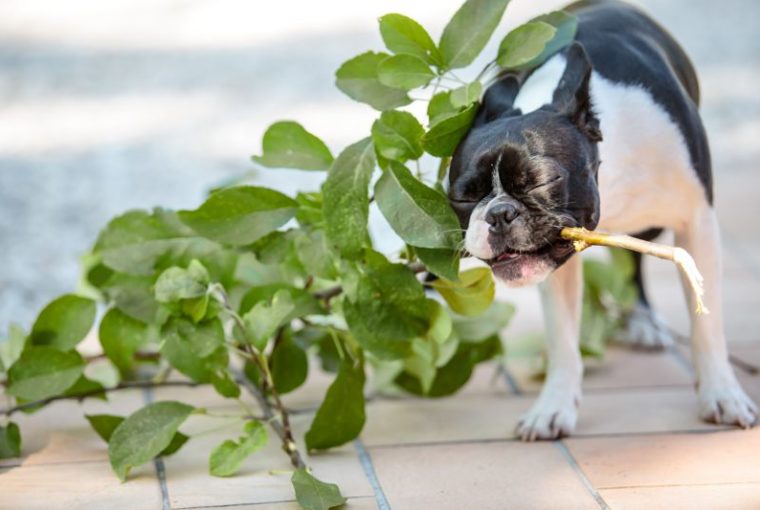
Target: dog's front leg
(721,398)
(555,412)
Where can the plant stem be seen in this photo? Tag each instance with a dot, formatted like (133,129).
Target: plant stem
(128,385)
(443,166)
(583,238)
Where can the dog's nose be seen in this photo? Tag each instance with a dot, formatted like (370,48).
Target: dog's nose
(502,214)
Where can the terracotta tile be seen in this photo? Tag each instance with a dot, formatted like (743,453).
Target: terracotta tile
(60,433)
(686,497)
(409,421)
(264,477)
(729,456)
(620,368)
(479,475)
(83,485)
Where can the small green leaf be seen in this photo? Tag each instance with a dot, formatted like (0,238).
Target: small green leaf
(346,200)
(240,215)
(472,294)
(441,107)
(405,72)
(226,458)
(264,318)
(468,32)
(104,424)
(313,494)
(289,366)
(12,347)
(524,44)
(444,136)
(566,26)
(64,322)
(341,416)
(358,79)
(304,302)
(466,94)
(420,215)
(10,441)
(144,434)
(404,35)
(120,336)
(287,144)
(487,324)
(397,136)
(177,283)
(42,372)
(441,262)
(182,340)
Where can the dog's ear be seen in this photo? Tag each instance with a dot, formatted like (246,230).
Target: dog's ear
(572,96)
(498,101)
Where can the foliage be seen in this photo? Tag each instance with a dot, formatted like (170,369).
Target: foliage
(258,279)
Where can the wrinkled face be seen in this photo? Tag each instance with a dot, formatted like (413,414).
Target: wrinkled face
(515,182)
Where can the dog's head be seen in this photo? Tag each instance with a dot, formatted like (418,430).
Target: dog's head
(516,180)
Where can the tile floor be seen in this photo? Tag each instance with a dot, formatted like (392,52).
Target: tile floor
(638,444)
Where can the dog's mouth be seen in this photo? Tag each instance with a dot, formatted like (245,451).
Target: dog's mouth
(523,267)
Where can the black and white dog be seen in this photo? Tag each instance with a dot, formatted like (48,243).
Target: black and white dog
(606,134)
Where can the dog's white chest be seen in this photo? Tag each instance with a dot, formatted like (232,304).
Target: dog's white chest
(646,178)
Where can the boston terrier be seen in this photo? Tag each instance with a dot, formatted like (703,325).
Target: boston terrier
(605,134)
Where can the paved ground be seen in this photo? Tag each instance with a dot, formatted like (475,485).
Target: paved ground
(106,106)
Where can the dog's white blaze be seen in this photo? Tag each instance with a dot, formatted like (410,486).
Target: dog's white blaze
(539,88)
(476,237)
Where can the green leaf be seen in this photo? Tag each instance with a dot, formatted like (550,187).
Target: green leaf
(420,215)
(144,434)
(304,302)
(468,32)
(524,44)
(441,107)
(225,385)
(289,365)
(64,322)
(341,416)
(443,263)
(287,144)
(226,459)
(121,336)
(86,388)
(444,136)
(466,94)
(405,72)
(182,339)
(405,36)
(358,79)
(313,494)
(315,255)
(390,309)
(472,294)
(485,325)
(201,339)
(346,200)
(12,347)
(10,441)
(264,318)
(397,136)
(137,242)
(104,424)
(566,26)
(434,349)
(42,372)
(177,283)
(239,216)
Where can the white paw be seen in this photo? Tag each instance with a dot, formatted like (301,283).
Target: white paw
(726,404)
(551,417)
(645,329)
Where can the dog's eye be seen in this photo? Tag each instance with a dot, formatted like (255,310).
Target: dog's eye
(544,184)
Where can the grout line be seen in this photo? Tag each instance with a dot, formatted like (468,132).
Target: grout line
(369,471)
(511,382)
(581,475)
(158,463)
(257,503)
(665,485)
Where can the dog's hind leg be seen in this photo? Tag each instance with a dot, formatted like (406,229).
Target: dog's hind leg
(644,328)
(721,398)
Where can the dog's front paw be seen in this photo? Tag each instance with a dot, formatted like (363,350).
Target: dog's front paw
(727,404)
(549,418)
(644,329)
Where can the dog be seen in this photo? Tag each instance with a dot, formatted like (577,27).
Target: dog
(604,134)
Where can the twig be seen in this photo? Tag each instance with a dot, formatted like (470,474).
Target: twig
(129,385)
(583,238)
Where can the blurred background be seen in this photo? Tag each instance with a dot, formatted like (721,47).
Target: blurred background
(112,105)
